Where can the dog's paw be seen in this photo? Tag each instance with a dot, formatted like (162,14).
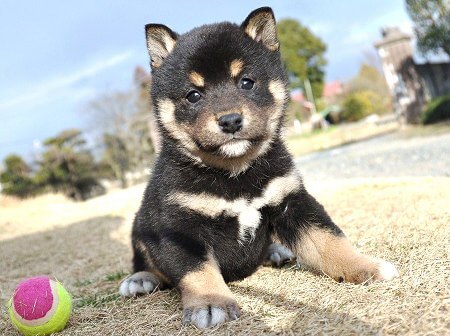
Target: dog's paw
(278,255)
(386,271)
(368,271)
(210,315)
(138,283)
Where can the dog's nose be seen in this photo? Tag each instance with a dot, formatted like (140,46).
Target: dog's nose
(230,123)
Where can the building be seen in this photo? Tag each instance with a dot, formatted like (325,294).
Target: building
(330,94)
(332,91)
(411,84)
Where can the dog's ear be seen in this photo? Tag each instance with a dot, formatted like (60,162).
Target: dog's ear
(260,25)
(160,42)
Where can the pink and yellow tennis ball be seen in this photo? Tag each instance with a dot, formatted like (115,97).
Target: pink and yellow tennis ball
(40,306)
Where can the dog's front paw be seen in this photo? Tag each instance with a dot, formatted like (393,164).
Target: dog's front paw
(138,283)
(386,271)
(210,314)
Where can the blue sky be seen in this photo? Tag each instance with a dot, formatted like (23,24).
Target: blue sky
(55,56)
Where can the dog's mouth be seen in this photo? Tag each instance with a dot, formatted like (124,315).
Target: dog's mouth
(232,148)
(235,148)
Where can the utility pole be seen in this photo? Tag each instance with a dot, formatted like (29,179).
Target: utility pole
(310,95)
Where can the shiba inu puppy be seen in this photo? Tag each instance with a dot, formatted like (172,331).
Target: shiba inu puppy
(224,188)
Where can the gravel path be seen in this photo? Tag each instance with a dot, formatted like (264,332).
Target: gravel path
(386,156)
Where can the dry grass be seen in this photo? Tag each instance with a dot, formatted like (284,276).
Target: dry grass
(353,132)
(336,136)
(86,246)
(408,131)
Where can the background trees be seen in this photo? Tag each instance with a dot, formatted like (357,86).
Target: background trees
(16,179)
(431,24)
(121,135)
(303,55)
(366,93)
(122,131)
(67,166)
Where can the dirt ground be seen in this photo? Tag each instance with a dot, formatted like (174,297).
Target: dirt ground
(86,247)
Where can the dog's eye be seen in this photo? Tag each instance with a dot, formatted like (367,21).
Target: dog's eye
(246,84)
(193,97)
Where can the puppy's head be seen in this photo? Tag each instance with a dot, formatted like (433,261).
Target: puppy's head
(219,91)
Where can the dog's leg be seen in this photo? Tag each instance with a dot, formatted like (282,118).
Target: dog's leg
(207,300)
(146,278)
(319,244)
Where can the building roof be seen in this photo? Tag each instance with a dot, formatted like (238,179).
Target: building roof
(332,89)
(297,96)
(391,34)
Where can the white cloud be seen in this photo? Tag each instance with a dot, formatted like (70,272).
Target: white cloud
(321,28)
(46,90)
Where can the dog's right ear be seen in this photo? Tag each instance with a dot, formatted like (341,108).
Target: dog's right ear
(160,42)
(260,25)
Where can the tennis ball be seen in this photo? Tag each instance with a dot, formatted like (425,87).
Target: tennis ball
(40,306)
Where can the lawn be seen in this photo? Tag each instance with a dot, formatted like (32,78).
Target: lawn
(338,135)
(335,136)
(86,246)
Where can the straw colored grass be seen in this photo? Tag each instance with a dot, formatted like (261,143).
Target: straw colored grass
(336,136)
(344,134)
(86,246)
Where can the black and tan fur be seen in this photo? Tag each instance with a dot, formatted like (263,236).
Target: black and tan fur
(224,186)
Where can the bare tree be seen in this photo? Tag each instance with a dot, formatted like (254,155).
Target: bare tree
(123,132)
(370,57)
(143,80)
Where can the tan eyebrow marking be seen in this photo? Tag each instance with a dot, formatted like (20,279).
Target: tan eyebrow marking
(278,91)
(236,67)
(197,79)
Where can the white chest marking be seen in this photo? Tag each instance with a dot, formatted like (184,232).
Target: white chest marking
(247,211)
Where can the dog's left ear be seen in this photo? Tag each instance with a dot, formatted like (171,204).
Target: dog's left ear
(260,25)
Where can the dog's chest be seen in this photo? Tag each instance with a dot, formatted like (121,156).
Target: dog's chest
(246,209)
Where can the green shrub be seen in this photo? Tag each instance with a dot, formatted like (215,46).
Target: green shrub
(18,186)
(67,166)
(437,110)
(357,105)
(16,179)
